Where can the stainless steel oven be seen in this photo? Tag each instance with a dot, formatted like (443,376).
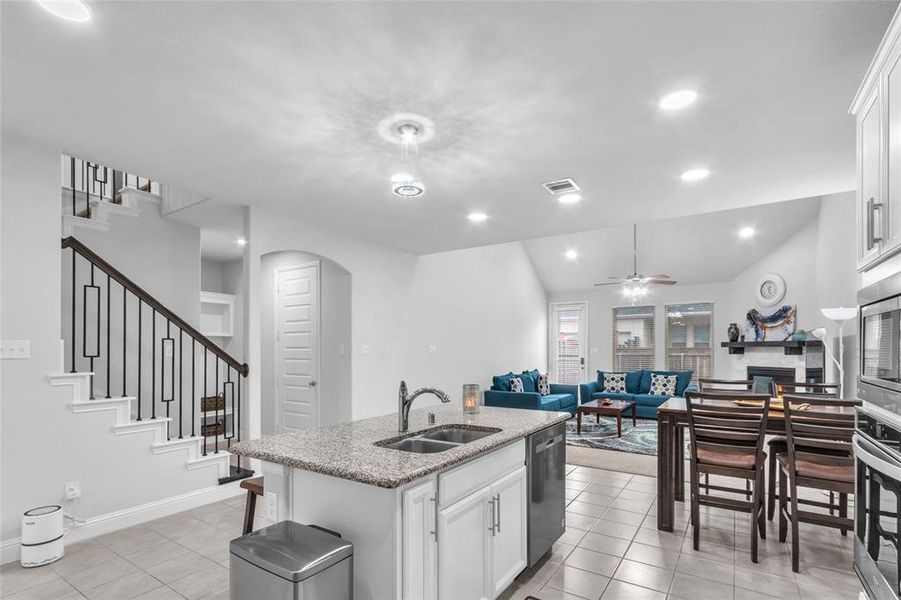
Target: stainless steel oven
(877,502)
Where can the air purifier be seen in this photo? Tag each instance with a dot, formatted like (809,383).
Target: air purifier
(42,536)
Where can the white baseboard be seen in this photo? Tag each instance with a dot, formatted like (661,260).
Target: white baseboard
(9,549)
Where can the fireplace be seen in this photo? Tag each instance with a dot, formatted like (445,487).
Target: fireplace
(778,374)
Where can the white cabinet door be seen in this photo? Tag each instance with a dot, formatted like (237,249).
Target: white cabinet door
(464,549)
(870,201)
(892,160)
(419,550)
(508,544)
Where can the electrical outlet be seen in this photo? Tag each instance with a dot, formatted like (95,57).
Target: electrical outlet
(272,506)
(594,350)
(73,490)
(340,349)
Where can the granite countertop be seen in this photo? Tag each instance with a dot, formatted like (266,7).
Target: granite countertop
(348,450)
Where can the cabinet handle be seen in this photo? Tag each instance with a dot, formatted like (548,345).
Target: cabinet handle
(493,526)
(435,531)
(497,504)
(872,207)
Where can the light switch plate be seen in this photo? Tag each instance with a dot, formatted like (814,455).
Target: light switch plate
(367,349)
(15,349)
(272,506)
(433,349)
(594,350)
(340,349)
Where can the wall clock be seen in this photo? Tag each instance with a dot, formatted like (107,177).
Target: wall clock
(770,289)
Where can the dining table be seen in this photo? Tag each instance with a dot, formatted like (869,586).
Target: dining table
(672,420)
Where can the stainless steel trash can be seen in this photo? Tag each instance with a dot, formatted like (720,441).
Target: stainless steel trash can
(290,561)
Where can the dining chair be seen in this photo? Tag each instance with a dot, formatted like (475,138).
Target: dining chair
(726,439)
(731,386)
(801,387)
(777,445)
(819,456)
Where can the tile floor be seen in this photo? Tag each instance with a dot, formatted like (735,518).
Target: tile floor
(611,550)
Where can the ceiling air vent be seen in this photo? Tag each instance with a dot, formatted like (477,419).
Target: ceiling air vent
(561,186)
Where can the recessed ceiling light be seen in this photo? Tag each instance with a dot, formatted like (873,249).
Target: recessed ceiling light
(241,241)
(677,100)
(569,198)
(572,254)
(746,232)
(477,217)
(70,10)
(695,174)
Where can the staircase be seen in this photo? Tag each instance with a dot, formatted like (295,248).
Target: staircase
(129,355)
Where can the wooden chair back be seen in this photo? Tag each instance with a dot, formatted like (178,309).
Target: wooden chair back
(818,426)
(799,387)
(726,426)
(725,385)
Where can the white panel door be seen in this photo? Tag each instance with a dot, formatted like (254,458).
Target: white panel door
(464,548)
(508,545)
(297,347)
(420,548)
(568,340)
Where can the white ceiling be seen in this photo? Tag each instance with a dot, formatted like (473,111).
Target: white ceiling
(693,250)
(276,104)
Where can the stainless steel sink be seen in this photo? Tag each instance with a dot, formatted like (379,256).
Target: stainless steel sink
(458,435)
(420,445)
(437,440)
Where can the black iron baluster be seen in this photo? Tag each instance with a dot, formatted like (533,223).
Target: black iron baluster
(193,385)
(216,430)
(170,341)
(124,346)
(231,386)
(140,362)
(181,383)
(153,368)
(84,328)
(109,352)
(73,307)
(203,402)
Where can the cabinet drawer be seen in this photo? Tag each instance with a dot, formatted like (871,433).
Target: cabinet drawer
(469,477)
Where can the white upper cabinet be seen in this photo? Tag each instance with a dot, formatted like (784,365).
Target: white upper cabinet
(877,107)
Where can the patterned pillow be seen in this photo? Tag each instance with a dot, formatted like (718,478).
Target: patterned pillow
(663,385)
(516,384)
(615,382)
(544,387)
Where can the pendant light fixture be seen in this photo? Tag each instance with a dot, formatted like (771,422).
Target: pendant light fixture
(405,183)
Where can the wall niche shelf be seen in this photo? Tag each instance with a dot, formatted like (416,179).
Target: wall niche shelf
(217,314)
(791,347)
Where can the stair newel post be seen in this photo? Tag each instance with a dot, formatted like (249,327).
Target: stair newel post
(140,347)
(124,340)
(181,386)
(73,306)
(216,429)
(203,428)
(109,348)
(153,366)
(237,422)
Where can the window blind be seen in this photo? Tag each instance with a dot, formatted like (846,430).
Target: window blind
(568,345)
(633,338)
(688,344)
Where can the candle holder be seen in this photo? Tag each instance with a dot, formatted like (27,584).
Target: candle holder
(471,398)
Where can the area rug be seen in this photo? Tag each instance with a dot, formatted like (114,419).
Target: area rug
(641,439)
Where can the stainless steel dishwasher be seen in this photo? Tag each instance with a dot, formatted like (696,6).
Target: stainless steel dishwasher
(546,465)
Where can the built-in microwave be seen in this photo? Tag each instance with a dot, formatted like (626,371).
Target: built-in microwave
(879,339)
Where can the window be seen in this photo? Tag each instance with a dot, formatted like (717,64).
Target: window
(633,338)
(568,334)
(688,344)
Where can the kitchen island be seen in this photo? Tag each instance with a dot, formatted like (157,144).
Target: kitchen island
(450,523)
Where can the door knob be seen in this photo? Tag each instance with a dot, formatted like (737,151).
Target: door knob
(312,383)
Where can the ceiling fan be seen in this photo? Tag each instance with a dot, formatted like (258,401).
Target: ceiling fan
(635,285)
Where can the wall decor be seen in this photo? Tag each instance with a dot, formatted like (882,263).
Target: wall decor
(771,325)
(770,289)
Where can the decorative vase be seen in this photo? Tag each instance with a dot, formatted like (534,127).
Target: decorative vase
(733,332)
(799,335)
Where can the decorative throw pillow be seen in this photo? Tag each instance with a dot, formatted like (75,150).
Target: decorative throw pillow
(515,384)
(663,385)
(544,387)
(615,383)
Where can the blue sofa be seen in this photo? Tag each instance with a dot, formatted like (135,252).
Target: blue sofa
(563,398)
(638,388)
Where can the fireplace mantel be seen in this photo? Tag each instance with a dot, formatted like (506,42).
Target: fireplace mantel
(791,347)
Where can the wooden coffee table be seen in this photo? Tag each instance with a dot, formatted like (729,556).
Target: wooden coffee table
(615,408)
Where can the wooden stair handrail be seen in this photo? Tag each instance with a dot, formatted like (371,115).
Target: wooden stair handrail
(131,286)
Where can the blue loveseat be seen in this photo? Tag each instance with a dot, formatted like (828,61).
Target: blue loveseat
(563,398)
(638,388)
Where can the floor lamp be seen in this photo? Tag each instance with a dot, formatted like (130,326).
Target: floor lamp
(838,315)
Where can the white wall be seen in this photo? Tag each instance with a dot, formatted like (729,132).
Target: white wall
(227,277)
(482,309)
(817,263)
